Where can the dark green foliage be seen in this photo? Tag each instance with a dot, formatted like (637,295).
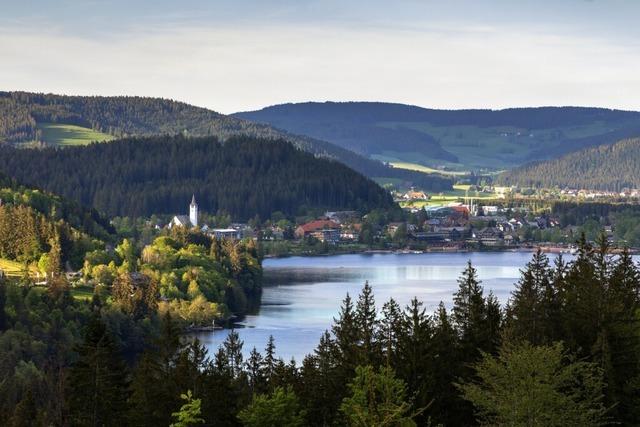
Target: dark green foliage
(243,177)
(280,408)
(414,359)
(607,167)
(126,116)
(405,130)
(537,386)
(97,380)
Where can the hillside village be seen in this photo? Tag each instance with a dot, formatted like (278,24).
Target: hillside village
(454,226)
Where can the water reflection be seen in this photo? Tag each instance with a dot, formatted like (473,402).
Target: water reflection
(302,295)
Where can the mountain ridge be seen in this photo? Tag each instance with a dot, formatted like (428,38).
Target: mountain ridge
(610,167)
(124,116)
(471,139)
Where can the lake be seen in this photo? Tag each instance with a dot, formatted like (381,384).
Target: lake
(302,295)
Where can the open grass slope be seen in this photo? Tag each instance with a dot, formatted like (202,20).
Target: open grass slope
(65,134)
(452,140)
(16,269)
(75,120)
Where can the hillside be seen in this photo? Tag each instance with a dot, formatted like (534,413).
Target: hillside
(243,176)
(46,119)
(34,223)
(606,167)
(452,139)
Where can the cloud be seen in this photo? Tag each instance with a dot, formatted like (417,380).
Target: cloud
(230,69)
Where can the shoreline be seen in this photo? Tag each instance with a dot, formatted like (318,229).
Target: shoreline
(555,249)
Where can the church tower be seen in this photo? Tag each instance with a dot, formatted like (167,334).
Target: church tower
(193,212)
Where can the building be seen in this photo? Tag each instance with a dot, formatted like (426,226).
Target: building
(187,221)
(323,229)
(225,233)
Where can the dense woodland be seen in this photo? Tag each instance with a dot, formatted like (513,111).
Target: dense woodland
(564,351)
(607,167)
(138,116)
(243,177)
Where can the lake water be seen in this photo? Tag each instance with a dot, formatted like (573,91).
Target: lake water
(302,295)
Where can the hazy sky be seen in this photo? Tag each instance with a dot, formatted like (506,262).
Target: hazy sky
(240,55)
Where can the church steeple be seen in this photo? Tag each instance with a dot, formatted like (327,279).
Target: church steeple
(193,211)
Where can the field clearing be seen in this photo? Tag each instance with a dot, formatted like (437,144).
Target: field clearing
(84,293)
(458,194)
(68,135)
(15,268)
(425,169)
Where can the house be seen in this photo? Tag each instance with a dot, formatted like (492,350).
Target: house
(415,195)
(187,221)
(321,229)
(226,233)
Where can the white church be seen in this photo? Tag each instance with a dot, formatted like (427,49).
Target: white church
(191,221)
(187,221)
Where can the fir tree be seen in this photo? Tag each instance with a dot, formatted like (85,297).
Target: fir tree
(97,381)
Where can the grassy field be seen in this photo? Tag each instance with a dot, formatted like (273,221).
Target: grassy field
(425,169)
(458,194)
(66,135)
(14,268)
(492,147)
(82,292)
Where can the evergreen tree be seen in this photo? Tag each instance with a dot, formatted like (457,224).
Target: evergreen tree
(529,386)
(377,399)
(189,414)
(280,408)
(366,326)
(97,381)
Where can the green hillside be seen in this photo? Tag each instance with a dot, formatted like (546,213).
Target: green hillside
(606,167)
(65,134)
(26,118)
(242,177)
(452,140)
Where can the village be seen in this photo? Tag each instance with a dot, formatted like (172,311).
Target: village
(455,226)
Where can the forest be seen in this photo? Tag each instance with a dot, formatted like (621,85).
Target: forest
(606,167)
(565,350)
(243,177)
(476,139)
(20,112)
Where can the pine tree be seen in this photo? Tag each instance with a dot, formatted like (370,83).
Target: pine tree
(527,312)
(389,332)
(97,381)
(254,367)
(346,336)
(469,314)
(233,352)
(366,326)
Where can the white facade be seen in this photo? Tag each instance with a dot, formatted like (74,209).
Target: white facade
(193,212)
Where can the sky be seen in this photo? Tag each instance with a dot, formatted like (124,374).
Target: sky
(239,55)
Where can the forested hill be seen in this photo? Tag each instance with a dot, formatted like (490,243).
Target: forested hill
(55,119)
(606,167)
(55,208)
(462,139)
(243,176)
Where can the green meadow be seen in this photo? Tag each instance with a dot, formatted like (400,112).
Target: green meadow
(66,135)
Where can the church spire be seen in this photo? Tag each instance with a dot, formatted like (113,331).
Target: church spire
(193,212)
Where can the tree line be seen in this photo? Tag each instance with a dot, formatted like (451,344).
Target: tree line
(563,351)
(124,116)
(606,167)
(243,177)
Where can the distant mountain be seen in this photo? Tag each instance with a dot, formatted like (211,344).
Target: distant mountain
(606,167)
(70,120)
(456,139)
(244,177)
